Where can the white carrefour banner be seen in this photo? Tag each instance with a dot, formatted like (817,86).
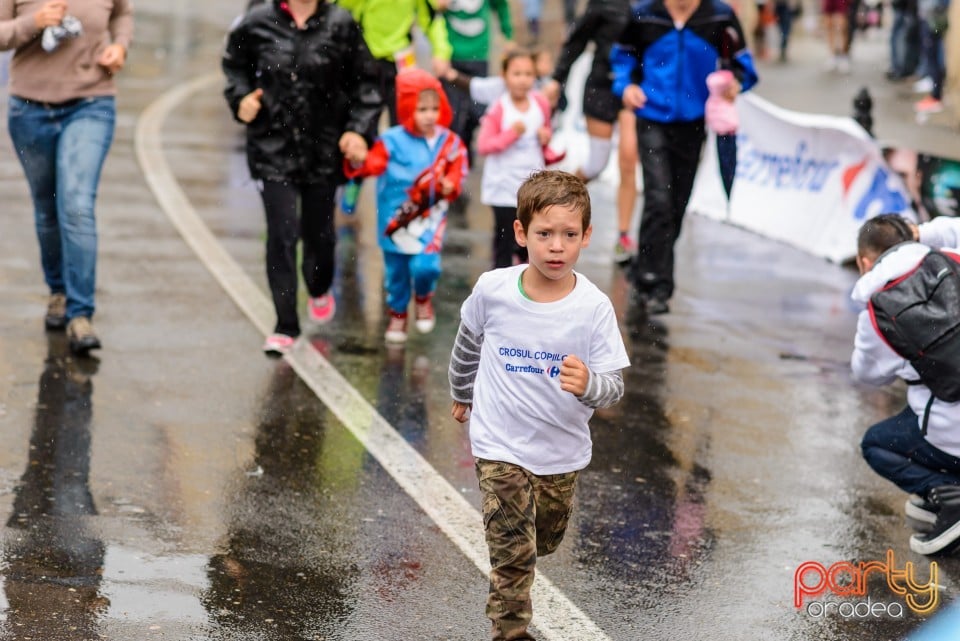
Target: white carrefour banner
(807,180)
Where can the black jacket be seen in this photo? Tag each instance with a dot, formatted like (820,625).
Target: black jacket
(602,22)
(317,82)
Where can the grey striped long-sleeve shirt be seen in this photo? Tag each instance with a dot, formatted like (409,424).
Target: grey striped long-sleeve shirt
(603,388)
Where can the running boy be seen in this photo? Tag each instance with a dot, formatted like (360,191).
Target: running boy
(537,351)
(421,165)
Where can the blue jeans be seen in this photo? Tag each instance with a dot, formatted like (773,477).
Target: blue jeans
(897,451)
(932,51)
(784,13)
(904,43)
(402,270)
(62,149)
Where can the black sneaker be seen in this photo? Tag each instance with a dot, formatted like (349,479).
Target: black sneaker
(945,533)
(81,336)
(56,317)
(920,509)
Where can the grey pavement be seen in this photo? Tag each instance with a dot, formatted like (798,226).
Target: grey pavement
(183,486)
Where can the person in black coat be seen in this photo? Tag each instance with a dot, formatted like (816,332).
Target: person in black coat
(300,77)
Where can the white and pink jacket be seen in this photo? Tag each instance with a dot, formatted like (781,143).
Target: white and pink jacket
(511,158)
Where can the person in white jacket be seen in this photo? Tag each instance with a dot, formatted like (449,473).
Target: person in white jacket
(924,463)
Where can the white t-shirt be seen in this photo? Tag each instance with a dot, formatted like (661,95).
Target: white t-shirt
(503,173)
(520,415)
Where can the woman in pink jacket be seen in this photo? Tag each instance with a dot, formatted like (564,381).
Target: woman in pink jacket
(514,134)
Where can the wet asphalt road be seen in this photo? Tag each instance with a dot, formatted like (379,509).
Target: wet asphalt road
(182,486)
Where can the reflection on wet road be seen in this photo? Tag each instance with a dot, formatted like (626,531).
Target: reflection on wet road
(282,570)
(54,559)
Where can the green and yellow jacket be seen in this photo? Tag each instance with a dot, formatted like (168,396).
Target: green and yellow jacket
(386,25)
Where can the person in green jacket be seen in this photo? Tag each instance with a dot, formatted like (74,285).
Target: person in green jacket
(469,30)
(386,28)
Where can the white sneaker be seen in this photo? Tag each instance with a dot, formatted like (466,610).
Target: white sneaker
(830,64)
(425,317)
(843,64)
(924,85)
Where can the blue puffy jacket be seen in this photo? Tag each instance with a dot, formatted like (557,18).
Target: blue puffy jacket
(671,65)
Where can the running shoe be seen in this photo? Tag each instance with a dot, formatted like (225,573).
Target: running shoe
(625,249)
(396,328)
(928,105)
(426,319)
(945,534)
(920,509)
(278,344)
(321,309)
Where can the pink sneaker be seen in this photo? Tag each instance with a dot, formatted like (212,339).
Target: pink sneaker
(396,328)
(426,319)
(928,105)
(624,250)
(321,309)
(278,344)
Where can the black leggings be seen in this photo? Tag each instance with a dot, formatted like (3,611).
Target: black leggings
(313,223)
(505,245)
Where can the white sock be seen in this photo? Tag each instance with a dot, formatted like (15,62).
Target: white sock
(597,157)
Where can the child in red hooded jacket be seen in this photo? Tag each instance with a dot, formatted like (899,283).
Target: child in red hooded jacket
(421,165)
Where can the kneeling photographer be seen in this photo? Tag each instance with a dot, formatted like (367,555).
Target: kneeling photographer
(910,330)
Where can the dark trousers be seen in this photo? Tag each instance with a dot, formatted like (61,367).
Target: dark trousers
(505,245)
(904,43)
(286,225)
(669,154)
(387,71)
(932,51)
(897,451)
(784,13)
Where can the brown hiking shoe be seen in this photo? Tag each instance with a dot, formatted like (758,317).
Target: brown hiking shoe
(56,317)
(81,336)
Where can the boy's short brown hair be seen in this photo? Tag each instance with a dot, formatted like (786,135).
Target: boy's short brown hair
(546,188)
(882,232)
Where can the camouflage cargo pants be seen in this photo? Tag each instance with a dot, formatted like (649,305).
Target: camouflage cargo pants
(524,516)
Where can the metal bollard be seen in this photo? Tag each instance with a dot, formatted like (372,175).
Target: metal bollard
(862,110)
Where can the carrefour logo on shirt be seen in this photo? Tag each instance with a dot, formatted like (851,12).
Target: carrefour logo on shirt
(530,355)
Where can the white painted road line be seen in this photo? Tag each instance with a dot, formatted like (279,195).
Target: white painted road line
(555,617)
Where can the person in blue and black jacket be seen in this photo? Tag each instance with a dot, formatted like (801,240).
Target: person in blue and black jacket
(660,66)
